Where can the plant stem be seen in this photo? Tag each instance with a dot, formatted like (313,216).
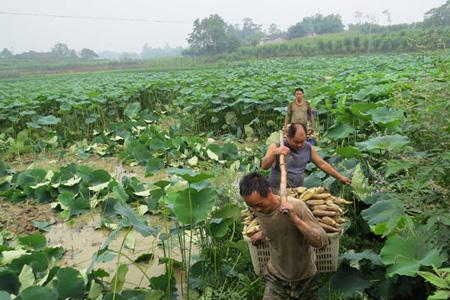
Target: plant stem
(118,261)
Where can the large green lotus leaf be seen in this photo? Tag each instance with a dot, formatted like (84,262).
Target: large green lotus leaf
(119,192)
(355,258)
(158,143)
(70,283)
(54,252)
(38,292)
(13,195)
(386,117)
(348,152)
(153,165)
(4,295)
(229,211)
(30,177)
(132,109)
(166,283)
(36,241)
(340,131)
(43,193)
(406,256)
(9,282)
(382,211)
(273,138)
(48,120)
(361,110)
(38,261)
(139,152)
(223,218)
(192,206)
(348,281)
(133,219)
(189,175)
(373,92)
(230,151)
(219,227)
(312,180)
(395,166)
(99,176)
(217,149)
(74,205)
(390,143)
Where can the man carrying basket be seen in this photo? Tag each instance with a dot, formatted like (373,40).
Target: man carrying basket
(287,224)
(291,270)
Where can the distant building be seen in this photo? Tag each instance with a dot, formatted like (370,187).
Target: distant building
(270,40)
(34,54)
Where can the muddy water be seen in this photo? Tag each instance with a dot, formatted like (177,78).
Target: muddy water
(81,239)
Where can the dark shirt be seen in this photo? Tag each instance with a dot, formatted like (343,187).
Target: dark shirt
(296,161)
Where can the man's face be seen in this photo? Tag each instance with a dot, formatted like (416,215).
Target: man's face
(298,95)
(259,203)
(298,140)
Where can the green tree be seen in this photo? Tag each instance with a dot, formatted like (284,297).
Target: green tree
(274,31)
(317,24)
(439,16)
(297,31)
(251,33)
(6,53)
(212,36)
(61,49)
(321,24)
(88,54)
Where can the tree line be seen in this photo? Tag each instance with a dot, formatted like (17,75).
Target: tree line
(59,50)
(213,35)
(62,51)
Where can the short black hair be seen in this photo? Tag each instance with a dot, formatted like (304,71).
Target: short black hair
(299,89)
(292,130)
(254,182)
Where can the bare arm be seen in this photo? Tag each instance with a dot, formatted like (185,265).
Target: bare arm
(269,158)
(271,155)
(311,119)
(327,168)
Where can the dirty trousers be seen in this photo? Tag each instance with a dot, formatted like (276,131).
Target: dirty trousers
(306,289)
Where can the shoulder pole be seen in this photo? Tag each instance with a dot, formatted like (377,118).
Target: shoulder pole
(283,179)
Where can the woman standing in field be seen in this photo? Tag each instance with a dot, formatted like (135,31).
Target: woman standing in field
(299,111)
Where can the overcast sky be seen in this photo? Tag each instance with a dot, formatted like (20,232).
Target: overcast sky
(23,33)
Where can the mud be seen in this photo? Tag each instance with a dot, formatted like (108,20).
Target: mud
(82,238)
(18,218)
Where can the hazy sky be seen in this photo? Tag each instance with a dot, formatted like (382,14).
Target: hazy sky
(22,33)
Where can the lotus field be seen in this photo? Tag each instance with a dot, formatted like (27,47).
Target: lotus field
(124,185)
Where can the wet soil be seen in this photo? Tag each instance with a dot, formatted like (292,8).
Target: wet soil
(18,218)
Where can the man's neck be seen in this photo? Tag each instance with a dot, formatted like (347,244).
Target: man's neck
(276,201)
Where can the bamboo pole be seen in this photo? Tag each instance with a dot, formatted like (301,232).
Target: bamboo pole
(283,179)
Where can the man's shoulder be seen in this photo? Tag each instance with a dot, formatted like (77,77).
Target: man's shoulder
(298,204)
